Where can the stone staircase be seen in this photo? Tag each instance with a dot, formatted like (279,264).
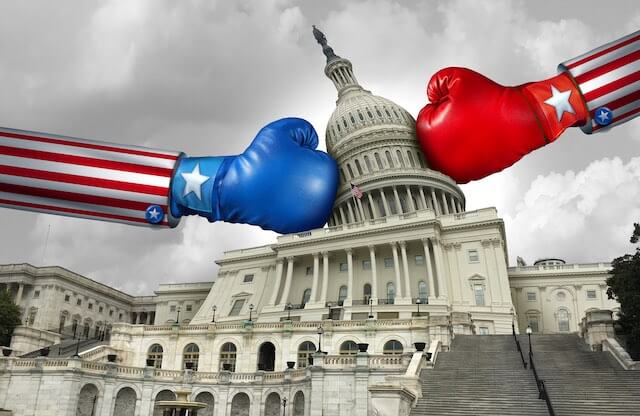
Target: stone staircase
(581,382)
(480,375)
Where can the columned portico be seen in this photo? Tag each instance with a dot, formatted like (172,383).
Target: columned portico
(325,277)
(276,288)
(287,283)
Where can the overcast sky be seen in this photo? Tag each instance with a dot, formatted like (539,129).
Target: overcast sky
(204,76)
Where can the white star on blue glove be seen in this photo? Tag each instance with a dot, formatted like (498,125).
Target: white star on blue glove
(193,182)
(560,101)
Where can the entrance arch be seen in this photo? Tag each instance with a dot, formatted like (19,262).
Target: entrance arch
(267,357)
(87,400)
(240,405)
(272,405)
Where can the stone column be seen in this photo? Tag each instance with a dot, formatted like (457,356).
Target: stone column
(342,216)
(453,203)
(359,203)
(351,213)
(423,199)
(374,208)
(316,272)
(410,203)
(442,284)
(459,205)
(325,276)
(396,266)
(349,299)
(405,264)
(18,299)
(444,203)
(287,283)
(397,197)
(430,277)
(385,203)
(374,273)
(434,199)
(276,288)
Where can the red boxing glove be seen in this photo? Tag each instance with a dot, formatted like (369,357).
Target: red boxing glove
(474,127)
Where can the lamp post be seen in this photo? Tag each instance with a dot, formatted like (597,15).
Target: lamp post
(250,311)
(320,332)
(418,302)
(178,316)
(284,406)
(214,313)
(529,331)
(370,308)
(289,306)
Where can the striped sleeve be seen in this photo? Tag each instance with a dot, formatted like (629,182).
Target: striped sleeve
(88,179)
(609,79)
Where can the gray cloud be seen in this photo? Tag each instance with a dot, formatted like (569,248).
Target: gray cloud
(203,77)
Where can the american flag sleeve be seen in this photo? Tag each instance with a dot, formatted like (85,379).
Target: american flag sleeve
(609,80)
(88,179)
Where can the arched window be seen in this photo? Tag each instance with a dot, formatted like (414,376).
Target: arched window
(391,293)
(267,356)
(563,320)
(155,354)
(358,167)
(240,405)
(344,177)
(351,175)
(533,321)
(190,357)
(87,400)
(367,162)
(342,294)
(400,159)
(272,406)
(360,116)
(410,157)
(298,404)
(389,158)
(125,402)
(423,292)
(63,320)
(228,356)
(366,293)
(204,397)
(378,161)
(420,160)
(392,347)
(305,350)
(86,328)
(306,295)
(348,348)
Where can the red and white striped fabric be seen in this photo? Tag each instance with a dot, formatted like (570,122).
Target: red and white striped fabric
(609,76)
(355,191)
(82,178)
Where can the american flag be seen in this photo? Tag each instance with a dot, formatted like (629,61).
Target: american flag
(355,191)
(82,178)
(609,77)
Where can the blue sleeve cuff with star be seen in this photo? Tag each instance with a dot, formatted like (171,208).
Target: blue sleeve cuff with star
(193,187)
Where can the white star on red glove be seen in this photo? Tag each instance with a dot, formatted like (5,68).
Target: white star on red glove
(560,101)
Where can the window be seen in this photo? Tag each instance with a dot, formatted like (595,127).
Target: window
(367,162)
(400,159)
(392,347)
(119,317)
(228,356)
(366,293)
(348,348)
(561,296)
(591,294)
(237,307)
(531,296)
(366,264)
(411,162)
(90,306)
(67,298)
(473,256)
(563,320)
(423,292)
(306,295)
(100,309)
(378,161)
(358,167)
(155,354)
(79,302)
(351,175)
(111,312)
(419,259)
(248,278)
(36,294)
(342,294)
(190,357)
(533,322)
(305,350)
(483,330)
(391,293)
(478,291)
(388,262)
(344,267)
(308,271)
(389,159)
(172,308)
(189,308)
(31,318)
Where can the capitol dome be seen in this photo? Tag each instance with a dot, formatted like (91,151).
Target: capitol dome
(374,143)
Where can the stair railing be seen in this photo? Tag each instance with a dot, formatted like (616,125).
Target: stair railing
(515,338)
(542,389)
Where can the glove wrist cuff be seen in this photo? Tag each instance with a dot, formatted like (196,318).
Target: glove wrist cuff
(557,103)
(194,187)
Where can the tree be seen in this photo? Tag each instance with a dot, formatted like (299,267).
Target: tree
(9,317)
(624,286)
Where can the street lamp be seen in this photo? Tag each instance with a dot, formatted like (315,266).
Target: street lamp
(320,332)
(289,306)
(250,311)
(370,308)
(214,313)
(418,302)
(284,406)
(529,331)
(178,316)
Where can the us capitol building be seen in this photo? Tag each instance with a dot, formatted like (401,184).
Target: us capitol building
(403,265)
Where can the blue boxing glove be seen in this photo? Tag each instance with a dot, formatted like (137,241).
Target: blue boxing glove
(279,183)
